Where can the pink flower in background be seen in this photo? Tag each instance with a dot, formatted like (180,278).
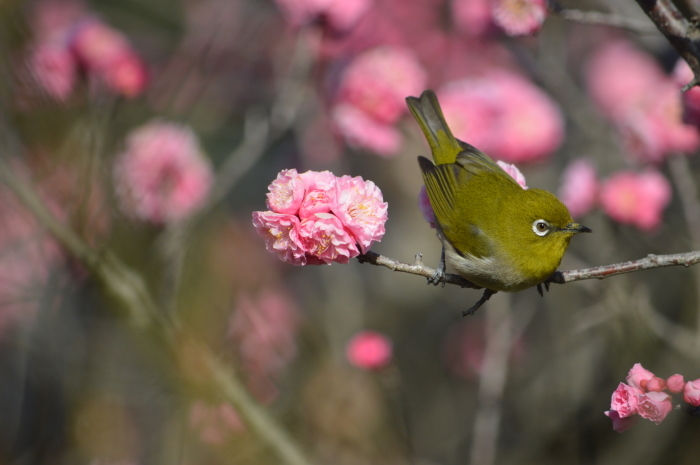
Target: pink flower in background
(425,208)
(690,99)
(473,17)
(513,172)
(162,176)
(362,131)
(360,206)
(263,329)
(340,14)
(325,238)
(579,187)
(286,192)
(675,383)
(625,399)
(505,115)
(654,406)
(520,17)
(369,350)
(691,393)
(636,199)
(281,234)
(378,81)
(331,219)
(638,376)
(54,68)
(621,424)
(214,423)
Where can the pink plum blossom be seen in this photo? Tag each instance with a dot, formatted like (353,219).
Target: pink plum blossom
(281,234)
(340,14)
(503,114)
(320,194)
(621,424)
(636,198)
(325,238)
(638,376)
(675,383)
(473,17)
(162,175)
(362,131)
(655,384)
(286,192)
(263,329)
(691,393)
(624,400)
(654,406)
(513,172)
(361,208)
(54,68)
(369,350)
(682,75)
(579,187)
(520,17)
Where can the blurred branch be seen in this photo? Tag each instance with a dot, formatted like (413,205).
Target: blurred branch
(559,277)
(129,288)
(598,18)
(681,33)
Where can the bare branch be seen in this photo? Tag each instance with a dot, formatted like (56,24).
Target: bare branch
(559,277)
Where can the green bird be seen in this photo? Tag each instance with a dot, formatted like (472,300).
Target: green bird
(494,233)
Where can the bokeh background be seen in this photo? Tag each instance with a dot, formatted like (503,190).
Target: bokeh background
(152,130)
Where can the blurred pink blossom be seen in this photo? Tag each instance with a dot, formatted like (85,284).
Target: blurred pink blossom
(325,238)
(621,424)
(362,131)
(281,234)
(691,393)
(340,14)
(654,406)
(520,17)
(162,175)
(675,383)
(514,173)
(682,75)
(361,208)
(54,68)
(624,400)
(473,17)
(425,208)
(286,192)
(52,20)
(638,376)
(214,423)
(579,187)
(505,115)
(369,350)
(637,199)
(263,329)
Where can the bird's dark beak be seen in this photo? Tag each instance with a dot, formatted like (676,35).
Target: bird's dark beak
(577,228)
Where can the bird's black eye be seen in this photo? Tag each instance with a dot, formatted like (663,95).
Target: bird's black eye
(541,227)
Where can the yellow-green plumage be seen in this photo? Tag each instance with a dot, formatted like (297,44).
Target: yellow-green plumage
(488,224)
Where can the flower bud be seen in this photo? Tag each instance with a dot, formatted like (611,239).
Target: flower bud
(675,383)
(655,384)
(691,393)
(638,375)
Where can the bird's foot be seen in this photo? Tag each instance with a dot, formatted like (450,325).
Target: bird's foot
(486,296)
(546,286)
(439,275)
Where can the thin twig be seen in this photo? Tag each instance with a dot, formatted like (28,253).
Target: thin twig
(600,18)
(560,277)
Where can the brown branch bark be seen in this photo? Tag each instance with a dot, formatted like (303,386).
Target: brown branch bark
(560,277)
(681,33)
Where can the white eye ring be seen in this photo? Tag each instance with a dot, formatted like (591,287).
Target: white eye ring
(541,227)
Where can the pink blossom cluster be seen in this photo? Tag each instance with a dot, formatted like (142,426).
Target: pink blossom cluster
(579,187)
(317,218)
(263,328)
(503,114)
(648,396)
(371,97)
(427,210)
(341,15)
(162,175)
(514,17)
(682,74)
(369,350)
(630,88)
(69,40)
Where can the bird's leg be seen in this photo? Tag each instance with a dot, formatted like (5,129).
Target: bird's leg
(539,289)
(439,275)
(487,295)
